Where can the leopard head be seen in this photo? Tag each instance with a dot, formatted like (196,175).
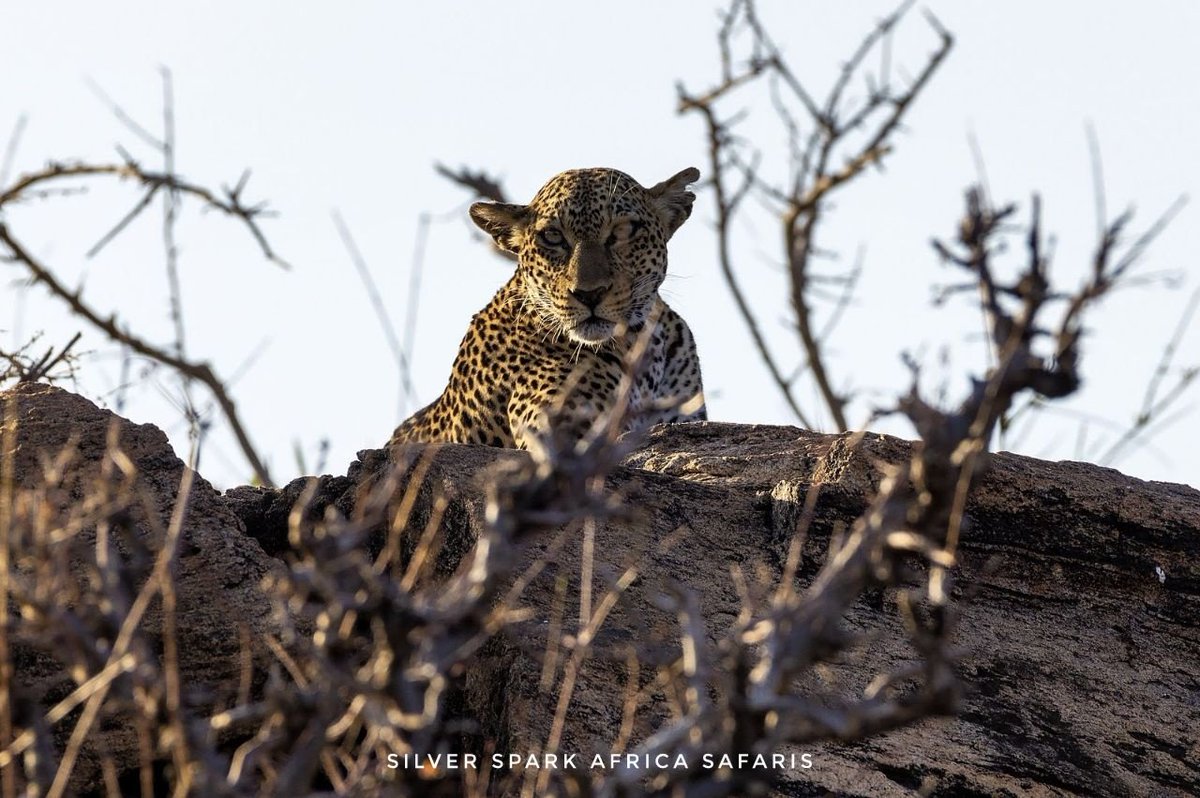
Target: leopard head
(591,248)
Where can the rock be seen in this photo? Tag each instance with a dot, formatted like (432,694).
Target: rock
(1079,593)
(1080,612)
(1082,633)
(218,569)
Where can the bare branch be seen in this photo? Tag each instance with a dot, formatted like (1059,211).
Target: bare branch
(201,372)
(479,183)
(230,204)
(820,162)
(27,370)
(123,116)
(381,314)
(124,222)
(715,138)
(1154,405)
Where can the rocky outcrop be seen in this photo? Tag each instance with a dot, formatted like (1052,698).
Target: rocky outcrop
(1080,612)
(1080,599)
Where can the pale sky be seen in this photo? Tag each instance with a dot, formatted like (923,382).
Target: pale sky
(347,106)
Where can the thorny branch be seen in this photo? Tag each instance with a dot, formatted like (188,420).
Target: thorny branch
(741,697)
(85,605)
(26,369)
(369,680)
(171,187)
(841,141)
(370,646)
(228,201)
(199,371)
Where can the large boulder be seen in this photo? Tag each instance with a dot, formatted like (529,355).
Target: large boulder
(1080,603)
(1079,593)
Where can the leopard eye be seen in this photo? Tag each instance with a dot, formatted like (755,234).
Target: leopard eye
(552,237)
(622,232)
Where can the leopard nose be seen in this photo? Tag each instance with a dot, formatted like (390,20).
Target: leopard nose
(589,298)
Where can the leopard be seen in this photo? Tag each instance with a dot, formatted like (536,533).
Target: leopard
(552,346)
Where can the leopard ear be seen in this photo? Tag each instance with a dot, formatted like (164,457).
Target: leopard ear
(673,199)
(501,220)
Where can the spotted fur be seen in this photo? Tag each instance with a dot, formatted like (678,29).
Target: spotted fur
(591,254)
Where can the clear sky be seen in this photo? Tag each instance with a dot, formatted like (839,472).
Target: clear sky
(347,106)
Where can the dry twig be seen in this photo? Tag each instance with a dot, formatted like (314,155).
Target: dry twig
(842,139)
(199,371)
(739,698)
(27,369)
(168,184)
